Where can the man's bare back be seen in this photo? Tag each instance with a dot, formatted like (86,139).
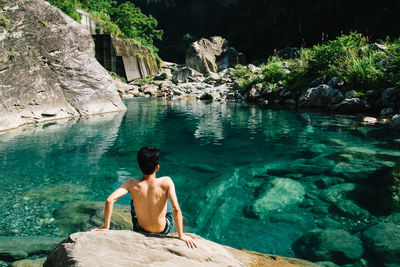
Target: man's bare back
(149,195)
(150,202)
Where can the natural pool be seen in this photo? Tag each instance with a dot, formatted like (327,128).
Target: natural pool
(248,177)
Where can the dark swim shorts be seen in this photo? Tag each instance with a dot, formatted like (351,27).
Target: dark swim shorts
(168,217)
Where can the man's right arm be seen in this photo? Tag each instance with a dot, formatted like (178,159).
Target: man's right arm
(178,215)
(122,190)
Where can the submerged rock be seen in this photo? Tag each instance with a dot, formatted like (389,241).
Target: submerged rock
(337,246)
(350,209)
(382,241)
(57,193)
(81,216)
(128,248)
(29,263)
(48,67)
(280,193)
(15,248)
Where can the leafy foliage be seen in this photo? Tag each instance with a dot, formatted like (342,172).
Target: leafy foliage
(361,65)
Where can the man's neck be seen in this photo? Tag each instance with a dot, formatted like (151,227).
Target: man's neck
(148,177)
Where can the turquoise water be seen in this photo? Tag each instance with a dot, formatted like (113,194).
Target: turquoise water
(248,177)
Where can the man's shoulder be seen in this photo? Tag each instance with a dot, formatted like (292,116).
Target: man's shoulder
(132,181)
(165,180)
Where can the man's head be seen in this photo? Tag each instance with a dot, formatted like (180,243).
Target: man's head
(148,158)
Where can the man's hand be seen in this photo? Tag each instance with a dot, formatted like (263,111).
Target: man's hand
(189,241)
(101,228)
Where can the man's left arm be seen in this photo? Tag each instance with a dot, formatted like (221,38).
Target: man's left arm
(121,191)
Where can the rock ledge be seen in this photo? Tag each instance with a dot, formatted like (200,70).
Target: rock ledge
(127,248)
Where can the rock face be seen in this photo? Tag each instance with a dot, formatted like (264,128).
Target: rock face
(212,55)
(47,67)
(127,248)
(329,245)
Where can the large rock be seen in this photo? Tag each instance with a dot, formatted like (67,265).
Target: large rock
(288,53)
(351,105)
(212,55)
(187,74)
(390,97)
(47,67)
(382,241)
(337,246)
(321,96)
(127,248)
(395,122)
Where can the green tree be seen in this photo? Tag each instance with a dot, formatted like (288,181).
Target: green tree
(134,24)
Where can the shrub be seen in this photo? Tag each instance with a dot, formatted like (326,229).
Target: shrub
(4,21)
(240,71)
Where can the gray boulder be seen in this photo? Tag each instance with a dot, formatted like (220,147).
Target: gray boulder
(288,53)
(316,82)
(335,245)
(395,122)
(211,55)
(387,111)
(336,82)
(390,97)
(382,241)
(185,75)
(321,96)
(351,105)
(48,69)
(128,248)
(210,96)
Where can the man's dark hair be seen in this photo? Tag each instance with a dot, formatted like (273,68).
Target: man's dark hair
(148,158)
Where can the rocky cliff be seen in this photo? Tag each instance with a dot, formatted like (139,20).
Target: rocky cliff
(127,248)
(47,67)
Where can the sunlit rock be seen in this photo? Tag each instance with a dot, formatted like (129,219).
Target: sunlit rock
(128,248)
(28,263)
(48,67)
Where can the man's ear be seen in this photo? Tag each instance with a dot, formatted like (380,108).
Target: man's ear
(158,167)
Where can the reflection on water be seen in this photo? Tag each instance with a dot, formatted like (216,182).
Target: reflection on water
(230,162)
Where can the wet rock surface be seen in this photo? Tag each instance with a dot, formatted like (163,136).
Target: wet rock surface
(48,67)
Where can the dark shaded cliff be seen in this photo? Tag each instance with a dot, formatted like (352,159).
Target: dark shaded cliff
(257,28)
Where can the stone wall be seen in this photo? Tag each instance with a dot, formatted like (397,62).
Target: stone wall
(125,57)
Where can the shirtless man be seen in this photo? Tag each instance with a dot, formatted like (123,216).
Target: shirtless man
(151,211)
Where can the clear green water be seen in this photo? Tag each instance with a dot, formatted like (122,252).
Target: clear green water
(222,158)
